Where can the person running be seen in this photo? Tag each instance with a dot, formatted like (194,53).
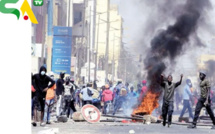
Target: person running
(59,92)
(107,98)
(121,101)
(204,100)
(50,101)
(186,97)
(41,85)
(87,94)
(68,96)
(169,88)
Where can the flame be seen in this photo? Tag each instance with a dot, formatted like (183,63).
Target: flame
(148,104)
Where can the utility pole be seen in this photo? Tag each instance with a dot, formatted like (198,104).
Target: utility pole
(44,30)
(94,24)
(107,40)
(69,14)
(82,43)
(96,56)
(113,59)
(89,53)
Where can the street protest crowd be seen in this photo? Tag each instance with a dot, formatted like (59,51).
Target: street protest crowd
(63,95)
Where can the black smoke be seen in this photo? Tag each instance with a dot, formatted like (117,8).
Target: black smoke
(168,44)
(210,65)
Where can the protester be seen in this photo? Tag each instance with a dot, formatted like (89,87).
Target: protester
(87,94)
(186,99)
(41,85)
(132,98)
(139,88)
(95,84)
(127,86)
(169,88)
(68,96)
(50,101)
(204,100)
(78,98)
(74,95)
(143,90)
(102,89)
(107,98)
(59,92)
(33,110)
(120,101)
(177,99)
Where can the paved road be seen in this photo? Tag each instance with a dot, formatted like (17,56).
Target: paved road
(120,128)
(72,127)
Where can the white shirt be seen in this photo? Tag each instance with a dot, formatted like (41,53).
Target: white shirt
(67,89)
(86,97)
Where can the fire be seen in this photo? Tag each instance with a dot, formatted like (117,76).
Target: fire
(148,104)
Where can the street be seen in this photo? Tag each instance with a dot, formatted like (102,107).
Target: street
(120,128)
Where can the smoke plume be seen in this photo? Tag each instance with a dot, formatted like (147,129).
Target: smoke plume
(168,44)
(210,65)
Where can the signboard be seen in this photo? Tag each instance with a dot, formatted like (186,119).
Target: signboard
(90,113)
(62,31)
(61,51)
(57,70)
(61,61)
(59,41)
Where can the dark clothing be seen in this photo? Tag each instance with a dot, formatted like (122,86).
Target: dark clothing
(39,103)
(120,100)
(199,106)
(186,105)
(68,104)
(86,102)
(167,108)
(169,89)
(60,87)
(97,104)
(40,82)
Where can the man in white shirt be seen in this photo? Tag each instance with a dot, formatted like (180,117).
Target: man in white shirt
(87,94)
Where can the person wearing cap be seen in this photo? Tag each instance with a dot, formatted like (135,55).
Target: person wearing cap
(168,98)
(59,93)
(107,98)
(186,99)
(204,100)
